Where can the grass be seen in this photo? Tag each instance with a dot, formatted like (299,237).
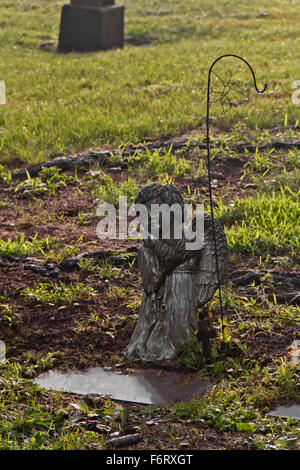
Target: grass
(48,181)
(110,192)
(155,86)
(127,95)
(240,405)
(22,247)
(159,163)
(263,223)
(43,425)
(50,247)
(56,293)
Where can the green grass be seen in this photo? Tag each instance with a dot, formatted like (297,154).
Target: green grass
(240,405)
(110,192)
(49,247)
(59,103)
(159,163)
(22,247)
(55,293)
(26,422)
(265,223)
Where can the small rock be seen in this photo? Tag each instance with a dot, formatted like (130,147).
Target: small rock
(123,441)
(184,445)
(296,300)
(92,399)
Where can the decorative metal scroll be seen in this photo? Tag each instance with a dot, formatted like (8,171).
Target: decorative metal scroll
(228,93)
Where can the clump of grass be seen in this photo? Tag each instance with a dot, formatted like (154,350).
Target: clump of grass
(22,247)
(107,270)
(27,422)
(294,158)
(110,192)
(260,163)
(158,163)
(263,223)
(190,355)
(55,293)
(49,180)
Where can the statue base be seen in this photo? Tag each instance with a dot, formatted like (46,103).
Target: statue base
(90,28)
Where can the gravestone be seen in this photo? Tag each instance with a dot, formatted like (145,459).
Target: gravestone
(90,25)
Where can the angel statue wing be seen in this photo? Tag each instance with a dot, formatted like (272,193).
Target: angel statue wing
(226,92)
(206,278)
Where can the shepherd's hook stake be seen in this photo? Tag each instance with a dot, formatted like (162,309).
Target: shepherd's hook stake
(223,99)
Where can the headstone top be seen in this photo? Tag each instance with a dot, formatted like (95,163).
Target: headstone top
(93,3)
(91,25)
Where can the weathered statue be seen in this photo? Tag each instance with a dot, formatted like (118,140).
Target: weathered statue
(176,282)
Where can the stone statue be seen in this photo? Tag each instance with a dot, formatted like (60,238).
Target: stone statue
(176,282)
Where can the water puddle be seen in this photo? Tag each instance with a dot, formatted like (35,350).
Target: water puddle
(148,386)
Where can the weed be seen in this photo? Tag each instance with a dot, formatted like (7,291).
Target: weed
(86,264)
(190,354)
(260,163)
(53,177)
(7,314)
(111,192)
(22,247)
(157,164)
(54,293)
(114,293)
(32,187)
(107,270)
(49,180)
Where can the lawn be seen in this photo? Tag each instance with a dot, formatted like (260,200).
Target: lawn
(69,300)
(155,86)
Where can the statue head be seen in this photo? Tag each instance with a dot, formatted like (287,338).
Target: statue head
(156,193)
(158,198)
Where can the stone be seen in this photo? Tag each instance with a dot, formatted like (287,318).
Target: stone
(148,386)
(286,411)
(86,28)
(93,3)
(295,352)
(2,352)
(177,280)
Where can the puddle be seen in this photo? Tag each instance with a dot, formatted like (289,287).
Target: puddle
(286,411)
(148,386)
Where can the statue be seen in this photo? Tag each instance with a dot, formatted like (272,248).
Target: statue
(176,282)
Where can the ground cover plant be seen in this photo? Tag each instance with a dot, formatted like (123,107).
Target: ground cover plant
(69,300)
